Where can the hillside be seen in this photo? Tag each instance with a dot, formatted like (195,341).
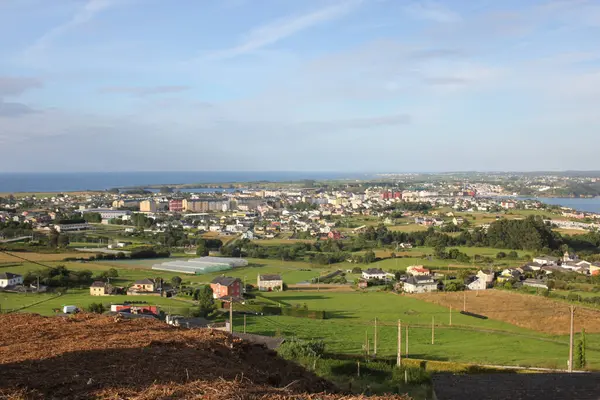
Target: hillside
(89,356)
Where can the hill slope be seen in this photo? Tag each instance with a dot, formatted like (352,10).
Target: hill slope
(88,356)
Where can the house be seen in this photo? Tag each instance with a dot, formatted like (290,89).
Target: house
(509,274)
(458,220)
(477,284)
(362,284)
(569,257)
(144,287)
(374,273)
(225,286)
(269,283)
(546,260)
(406,246)
(536,283)
(595,269)
(334,235)
(420,284)
(486,276)
(418,270)
(99,288)
(10,279)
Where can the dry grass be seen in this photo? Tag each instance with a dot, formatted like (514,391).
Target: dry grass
(527,311)
(40,257)
(89,356)
(564,231)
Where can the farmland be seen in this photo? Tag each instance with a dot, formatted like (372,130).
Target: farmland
(531,312)
(351,317)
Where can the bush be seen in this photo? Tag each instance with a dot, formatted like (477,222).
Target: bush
(97,308)
(296,349)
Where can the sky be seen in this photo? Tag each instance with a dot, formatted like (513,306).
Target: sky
(311,85)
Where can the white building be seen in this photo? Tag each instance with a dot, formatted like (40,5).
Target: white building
(420,284)
(268,283)
(72,227)
(374,273)
(10,279)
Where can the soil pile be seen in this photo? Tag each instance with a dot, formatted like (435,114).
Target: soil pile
(89,356)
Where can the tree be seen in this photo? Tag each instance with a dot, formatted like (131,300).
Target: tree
(206,302)
(63,240)
(580,361)
(201,250)
(369,257)
(112,273)
(176,281)
(97,308)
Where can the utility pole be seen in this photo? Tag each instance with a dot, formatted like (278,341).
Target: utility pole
(406,350)
(399,358)
(432,330)
(465,300)
(375,340)
(244,323)
(571,340)
(450,315)
(367,343)
(230,315)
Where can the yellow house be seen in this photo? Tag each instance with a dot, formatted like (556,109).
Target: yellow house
(101,289)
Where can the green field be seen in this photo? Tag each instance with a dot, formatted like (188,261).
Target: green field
(82,299)
(468,340)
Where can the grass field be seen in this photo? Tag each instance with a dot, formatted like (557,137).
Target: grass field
(39,257)
(351,317)
(82,299)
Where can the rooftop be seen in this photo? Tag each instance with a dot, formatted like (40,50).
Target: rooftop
(225,280)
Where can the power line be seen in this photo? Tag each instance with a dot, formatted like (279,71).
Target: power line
(25,259)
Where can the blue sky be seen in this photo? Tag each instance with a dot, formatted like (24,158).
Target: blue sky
(311,85)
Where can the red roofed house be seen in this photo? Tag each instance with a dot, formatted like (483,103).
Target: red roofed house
(224,286)
(335,235)
(418,270)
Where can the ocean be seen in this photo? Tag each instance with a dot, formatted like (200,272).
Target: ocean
(579,204)
(71,182)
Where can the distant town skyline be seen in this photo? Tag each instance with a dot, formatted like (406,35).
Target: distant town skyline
(317,85)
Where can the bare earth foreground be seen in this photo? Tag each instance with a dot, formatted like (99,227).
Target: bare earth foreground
(89,356)
(533,312)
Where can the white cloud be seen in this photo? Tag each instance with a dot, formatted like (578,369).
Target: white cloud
(275,31)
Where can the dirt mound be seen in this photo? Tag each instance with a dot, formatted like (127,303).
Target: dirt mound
(88,356)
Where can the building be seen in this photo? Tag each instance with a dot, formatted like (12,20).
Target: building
(224,286)
(334,235)
(268,283)
(374,273)
(477,284)
(148,206)
(546,260)
(106,213)
(595,269)
(420,284)
(176,205)
(144,287)
(135,309)
(487,277)
(101,289)
(418,270)
(10,279)
(80,226)
(126,203)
